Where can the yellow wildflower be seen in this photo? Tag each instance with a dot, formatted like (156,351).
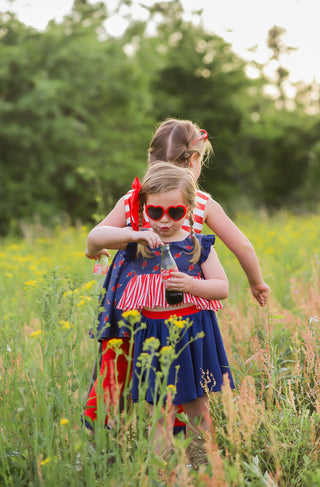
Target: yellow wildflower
(83,300)
(45,461)
(151,343)
(171,389)
(89,284)
(131,313)
(35,333)
(168,349)
(180,323)
(66,325)
(64,421)
(30,283)
(115,343)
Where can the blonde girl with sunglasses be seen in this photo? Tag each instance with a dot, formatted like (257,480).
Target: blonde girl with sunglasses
(167,195)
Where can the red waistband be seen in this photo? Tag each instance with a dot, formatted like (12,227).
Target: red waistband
(190,310)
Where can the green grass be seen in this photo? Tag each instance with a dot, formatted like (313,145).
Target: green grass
(265,432)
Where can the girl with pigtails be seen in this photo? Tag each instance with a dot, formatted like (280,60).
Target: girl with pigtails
(166,197)
(182,143)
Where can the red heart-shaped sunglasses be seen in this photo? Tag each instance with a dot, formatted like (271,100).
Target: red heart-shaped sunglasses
(174,212)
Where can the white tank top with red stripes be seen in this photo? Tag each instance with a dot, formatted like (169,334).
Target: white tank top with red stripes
(198,213)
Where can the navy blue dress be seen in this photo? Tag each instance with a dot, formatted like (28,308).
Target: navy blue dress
(201,363)
(119,274)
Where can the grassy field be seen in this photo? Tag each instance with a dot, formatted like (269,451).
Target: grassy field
(266,432)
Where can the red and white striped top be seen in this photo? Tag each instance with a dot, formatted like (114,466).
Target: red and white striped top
(198,213)
(148,291)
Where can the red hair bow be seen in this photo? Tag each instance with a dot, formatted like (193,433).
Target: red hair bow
(134,204)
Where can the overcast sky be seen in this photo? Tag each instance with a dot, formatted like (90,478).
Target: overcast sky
(243,23)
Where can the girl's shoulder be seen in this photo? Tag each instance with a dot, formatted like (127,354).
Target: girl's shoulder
(205,239)
(206,242)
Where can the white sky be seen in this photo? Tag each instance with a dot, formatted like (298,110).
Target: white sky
(243,23)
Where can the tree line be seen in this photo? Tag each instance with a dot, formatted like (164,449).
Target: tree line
(78,108)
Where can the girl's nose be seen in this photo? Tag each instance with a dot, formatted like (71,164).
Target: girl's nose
(165,218)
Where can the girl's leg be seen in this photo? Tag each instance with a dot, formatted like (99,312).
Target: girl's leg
(161,433)
(199,408)
(114,374)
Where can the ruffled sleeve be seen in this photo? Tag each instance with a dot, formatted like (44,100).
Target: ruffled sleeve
(206,242)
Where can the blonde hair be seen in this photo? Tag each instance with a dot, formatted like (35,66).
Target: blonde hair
(162,177)
(173,142)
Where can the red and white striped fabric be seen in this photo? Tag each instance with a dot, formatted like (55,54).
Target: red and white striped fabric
(148,291)
(198,214)
(126,205)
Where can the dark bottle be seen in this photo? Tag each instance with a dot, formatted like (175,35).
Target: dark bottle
(167,266)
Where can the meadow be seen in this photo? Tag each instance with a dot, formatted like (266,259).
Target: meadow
(265,432)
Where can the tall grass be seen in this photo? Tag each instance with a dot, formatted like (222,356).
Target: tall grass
(264,433)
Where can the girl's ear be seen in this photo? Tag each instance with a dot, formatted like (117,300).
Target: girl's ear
(194,158)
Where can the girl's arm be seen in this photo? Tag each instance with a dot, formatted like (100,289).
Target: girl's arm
(238,243)
(214,286)
(116,218)
(117,238)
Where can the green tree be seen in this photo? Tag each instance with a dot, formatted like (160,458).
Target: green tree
(195,75)
(78,108)
(71,108)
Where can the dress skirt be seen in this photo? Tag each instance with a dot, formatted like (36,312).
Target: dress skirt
(199,354)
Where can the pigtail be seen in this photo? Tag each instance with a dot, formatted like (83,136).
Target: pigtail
(142,249)
(141,204)
(196,252)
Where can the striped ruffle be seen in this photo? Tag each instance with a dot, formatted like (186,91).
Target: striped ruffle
(148,291)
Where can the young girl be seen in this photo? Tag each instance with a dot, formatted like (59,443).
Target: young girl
(167,195)
(184,144)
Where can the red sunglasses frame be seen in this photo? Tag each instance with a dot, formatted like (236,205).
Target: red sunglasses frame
(204,135)
(166,211)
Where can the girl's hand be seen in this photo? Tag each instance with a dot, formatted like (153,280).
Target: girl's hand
(261,292)
(95,257)
(180,282)
(148,237)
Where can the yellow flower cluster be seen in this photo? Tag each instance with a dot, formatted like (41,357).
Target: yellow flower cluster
(171,389)
(45,461)
(90,284)
(66,325)
(35,333)
(151,343)
(115,343)
(30,283)
(132,313)
(180,323)
(167,350)
(83,300)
